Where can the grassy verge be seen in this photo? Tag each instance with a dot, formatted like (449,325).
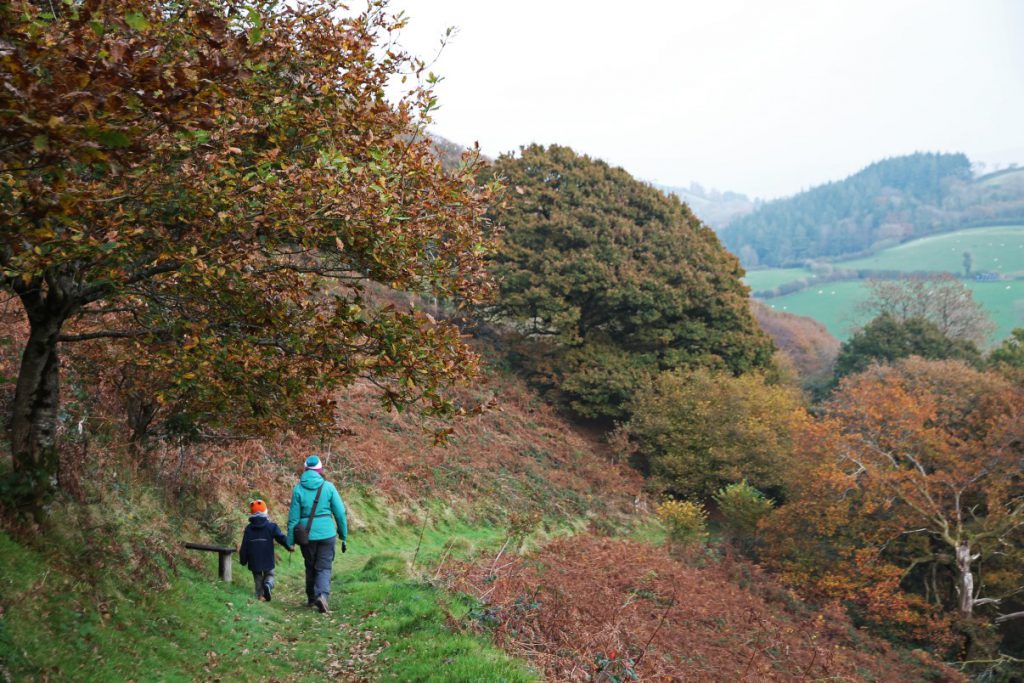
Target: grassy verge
(387,621)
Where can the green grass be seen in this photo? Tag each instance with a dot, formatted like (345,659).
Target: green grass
(770,278)
(996,249)
(388,622)
(834,305)
(1006,178)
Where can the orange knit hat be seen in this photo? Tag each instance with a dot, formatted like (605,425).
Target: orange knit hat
(257,506)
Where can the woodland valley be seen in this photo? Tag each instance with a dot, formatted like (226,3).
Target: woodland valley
(585,428)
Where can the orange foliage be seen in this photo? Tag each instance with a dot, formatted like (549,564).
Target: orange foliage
(588,605)
(518,449)
(910,463)
(804,341)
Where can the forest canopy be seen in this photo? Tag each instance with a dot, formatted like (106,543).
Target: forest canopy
(887,202)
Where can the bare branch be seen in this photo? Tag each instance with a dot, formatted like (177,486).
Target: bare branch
(107,334)
(1002,619)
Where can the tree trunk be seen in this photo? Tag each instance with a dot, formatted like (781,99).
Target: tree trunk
(34,415)
(141,411)
(33,424)
(965,578)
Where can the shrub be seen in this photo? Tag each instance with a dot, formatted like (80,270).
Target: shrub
(698,431)
(686,521)
(742,507)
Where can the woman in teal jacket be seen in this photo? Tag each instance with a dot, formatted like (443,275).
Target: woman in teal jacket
(329,523)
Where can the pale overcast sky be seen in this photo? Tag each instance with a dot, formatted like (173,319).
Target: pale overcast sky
(765,97)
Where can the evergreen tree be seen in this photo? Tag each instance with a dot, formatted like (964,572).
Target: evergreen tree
(886,339)
(621,280)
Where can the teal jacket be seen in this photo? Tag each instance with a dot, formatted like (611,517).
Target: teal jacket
(329,504)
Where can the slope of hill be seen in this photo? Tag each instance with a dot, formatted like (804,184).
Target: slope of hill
(449,152)
(888,202)
(587,606)
(1010,178)
(996,250)
(113,597)
(829,293)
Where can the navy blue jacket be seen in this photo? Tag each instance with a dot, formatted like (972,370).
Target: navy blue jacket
(257,551)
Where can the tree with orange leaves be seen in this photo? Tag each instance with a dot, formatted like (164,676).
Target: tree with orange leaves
(909,496)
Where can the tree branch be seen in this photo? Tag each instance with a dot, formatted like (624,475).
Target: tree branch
(98,291)
(1009,617)
(107,334)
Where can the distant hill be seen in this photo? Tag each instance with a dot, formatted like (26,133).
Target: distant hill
(717,209)
(449,152)
(884,204)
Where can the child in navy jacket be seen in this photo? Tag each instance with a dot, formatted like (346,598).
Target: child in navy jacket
(257,549)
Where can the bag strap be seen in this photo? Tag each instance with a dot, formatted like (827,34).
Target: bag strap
(309,522)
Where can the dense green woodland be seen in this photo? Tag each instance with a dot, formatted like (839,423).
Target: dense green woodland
(886,203)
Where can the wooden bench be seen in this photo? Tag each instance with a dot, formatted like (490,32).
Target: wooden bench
(224,558)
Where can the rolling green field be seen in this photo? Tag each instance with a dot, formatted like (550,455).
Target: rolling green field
(998,250)
(834,304)
(835,307)
(770,278)
(1001,179)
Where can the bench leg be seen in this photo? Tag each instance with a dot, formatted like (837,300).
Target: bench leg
(224,570)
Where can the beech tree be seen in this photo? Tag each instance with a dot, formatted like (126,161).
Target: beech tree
(211,185)
(909,485)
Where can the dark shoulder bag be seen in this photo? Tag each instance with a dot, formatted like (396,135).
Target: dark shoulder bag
(302,532)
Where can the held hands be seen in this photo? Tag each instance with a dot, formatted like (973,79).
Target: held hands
(291,549)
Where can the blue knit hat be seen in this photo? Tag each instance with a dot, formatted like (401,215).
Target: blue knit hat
(313,463)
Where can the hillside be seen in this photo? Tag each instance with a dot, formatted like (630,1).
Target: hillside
(553,439)
(886,203)
(646,614)
(114,593)
(428,524)
(830,293)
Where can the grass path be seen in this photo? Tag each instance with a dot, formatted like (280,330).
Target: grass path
(384,624)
